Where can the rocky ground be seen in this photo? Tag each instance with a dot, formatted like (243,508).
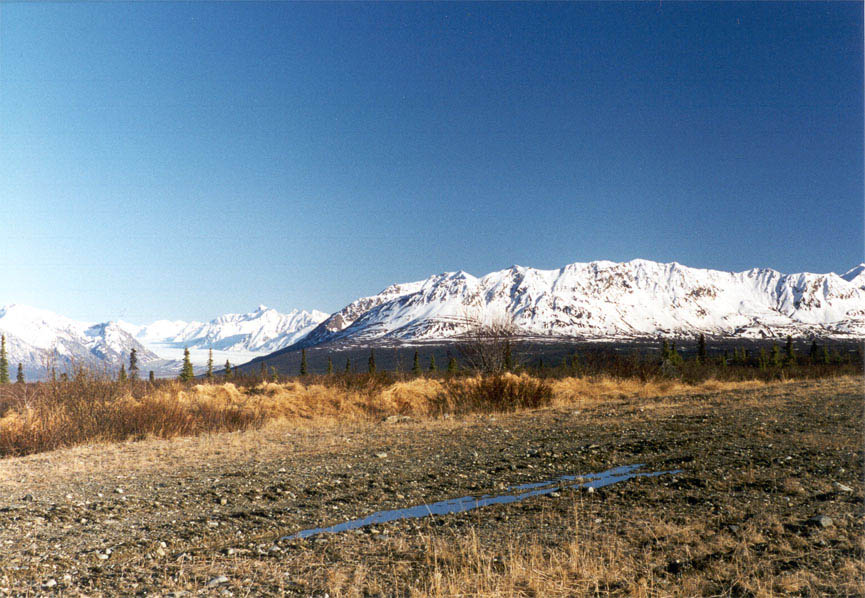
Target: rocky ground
(769,501)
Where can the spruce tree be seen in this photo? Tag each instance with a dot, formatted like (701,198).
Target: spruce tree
(133,364)
(432,363)
(228,371)
(776,356)
(371,361)
(152,377)
(4,361)
(186,373)
(763,359)
(789,352)
(303,365)
(665,350)
(329,365)
(20,377)
(452,365)
(262,371)
(121,375)
(824,355)
(701,348)
(507,358)
(814,352)
(415,364)
(209,373)
(347,365)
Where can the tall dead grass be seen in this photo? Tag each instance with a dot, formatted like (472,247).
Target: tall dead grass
(90,408)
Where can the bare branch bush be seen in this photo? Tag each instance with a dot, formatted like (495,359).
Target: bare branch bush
(486,345)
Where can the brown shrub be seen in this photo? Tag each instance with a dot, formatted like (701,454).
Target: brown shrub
(497,392)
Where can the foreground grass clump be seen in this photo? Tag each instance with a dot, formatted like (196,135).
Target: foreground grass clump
(91,408)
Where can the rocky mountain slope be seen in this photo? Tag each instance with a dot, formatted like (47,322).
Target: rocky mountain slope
(40,339)
(608,300)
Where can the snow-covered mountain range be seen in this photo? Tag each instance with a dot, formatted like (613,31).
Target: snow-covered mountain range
(608,300)
(588,301)
(41,339)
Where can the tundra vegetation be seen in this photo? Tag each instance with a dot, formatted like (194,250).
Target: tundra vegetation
(191,486)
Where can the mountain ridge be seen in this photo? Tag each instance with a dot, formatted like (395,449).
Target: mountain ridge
(607,300)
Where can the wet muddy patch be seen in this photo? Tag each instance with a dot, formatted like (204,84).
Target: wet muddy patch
(469,503)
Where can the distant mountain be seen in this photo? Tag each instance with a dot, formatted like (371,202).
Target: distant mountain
(261,331)
(40,339)
(607,300)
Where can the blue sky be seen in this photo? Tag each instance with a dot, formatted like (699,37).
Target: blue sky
(182,160)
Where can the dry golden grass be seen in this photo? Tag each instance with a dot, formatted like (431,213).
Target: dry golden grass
(96,410)
(583,391)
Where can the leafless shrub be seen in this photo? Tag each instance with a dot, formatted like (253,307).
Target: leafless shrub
(487,345)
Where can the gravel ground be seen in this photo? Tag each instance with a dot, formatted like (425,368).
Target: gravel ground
(776,473)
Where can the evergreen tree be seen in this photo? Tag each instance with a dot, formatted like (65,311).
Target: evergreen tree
(452,365)
(347,365)
(262,371)
(432,363)
(701,348)
(329,365)
(186,374)
(575,362)
(665,351)
(133,364)
(724,358)
(814,352)
(121,375)
(228,373)
(540,364)
(4,361)
(508,360)
(20,377)
(824,355)
(763,359)
(209,373)
(152,377)
(371,361)
(776,356)
(675,357)
(789,352)
(415,364)
(303,367)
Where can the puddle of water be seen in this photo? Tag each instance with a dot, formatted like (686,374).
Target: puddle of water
(468,503)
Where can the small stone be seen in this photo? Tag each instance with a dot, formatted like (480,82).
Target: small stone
(118,491)
(733,528)
(821,521)
(281,470)
(590,490)
(841,487)
(223,501)
(102,556)
(555,494)
(217,581)
(381,455)
(50,583)
(160,552)
(28,498)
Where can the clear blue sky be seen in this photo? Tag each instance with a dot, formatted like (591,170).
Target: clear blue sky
(183,160)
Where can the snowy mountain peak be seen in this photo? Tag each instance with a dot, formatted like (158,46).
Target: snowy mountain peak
(604,299)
